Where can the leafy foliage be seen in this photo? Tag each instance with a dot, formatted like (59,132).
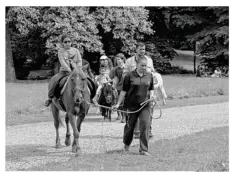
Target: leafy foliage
(95,31)
(122,25)
(127,24)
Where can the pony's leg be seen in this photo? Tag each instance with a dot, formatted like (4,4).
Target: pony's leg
(56,117)
(118,115)
(67,138)
(109,114)
(73,122)
(80,119)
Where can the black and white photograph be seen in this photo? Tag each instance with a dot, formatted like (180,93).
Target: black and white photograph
(116,88)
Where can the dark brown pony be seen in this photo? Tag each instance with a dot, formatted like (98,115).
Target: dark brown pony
(107,98)
(74,99)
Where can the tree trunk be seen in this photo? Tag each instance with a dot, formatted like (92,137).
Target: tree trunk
(10,71)
(194,63)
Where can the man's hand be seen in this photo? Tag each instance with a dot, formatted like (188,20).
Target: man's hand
(115,106)
(95,103)
(152,95)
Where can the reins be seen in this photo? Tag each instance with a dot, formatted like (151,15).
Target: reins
(132,112)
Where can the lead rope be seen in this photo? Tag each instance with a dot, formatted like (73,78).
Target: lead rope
(103,145)
(131,112)
(127,112)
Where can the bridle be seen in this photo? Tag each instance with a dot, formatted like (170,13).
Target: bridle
(78,91)
(108,96)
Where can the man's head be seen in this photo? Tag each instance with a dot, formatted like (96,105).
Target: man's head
(141,64)
(140,48)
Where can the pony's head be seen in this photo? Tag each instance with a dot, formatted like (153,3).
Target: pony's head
(108,93)
(78,80)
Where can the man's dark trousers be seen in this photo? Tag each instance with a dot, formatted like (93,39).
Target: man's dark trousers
(144,118)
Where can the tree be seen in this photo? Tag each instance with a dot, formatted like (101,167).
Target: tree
(10,72)
(22,21)
(124,26)
(89,27)
(209,26)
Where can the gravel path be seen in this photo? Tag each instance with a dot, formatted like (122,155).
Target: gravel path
(33,144)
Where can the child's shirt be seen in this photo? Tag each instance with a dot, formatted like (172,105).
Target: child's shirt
(66,57)
(102,78)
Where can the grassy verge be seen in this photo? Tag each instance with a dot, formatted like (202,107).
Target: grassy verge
(187,86)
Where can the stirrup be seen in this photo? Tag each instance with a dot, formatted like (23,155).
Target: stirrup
(48,102)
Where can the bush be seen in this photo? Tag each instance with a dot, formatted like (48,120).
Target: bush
(21,73)
(179,70)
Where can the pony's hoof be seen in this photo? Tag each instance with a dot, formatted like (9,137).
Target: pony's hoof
(67,141)
(78,152)
(58,146)
(76,149)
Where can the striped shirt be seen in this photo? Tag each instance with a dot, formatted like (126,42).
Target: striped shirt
(131,64)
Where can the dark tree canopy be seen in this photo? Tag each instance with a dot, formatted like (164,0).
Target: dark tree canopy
(35,32)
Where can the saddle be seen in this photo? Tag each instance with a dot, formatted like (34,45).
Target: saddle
(63,81)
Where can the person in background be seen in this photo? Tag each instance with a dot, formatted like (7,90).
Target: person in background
(225,71)
(217,73)
(207,71)
(69,58)
(117,75)
(100,80)
(130,65)
(106,63)
(131,62)
(137,88)
(201,71)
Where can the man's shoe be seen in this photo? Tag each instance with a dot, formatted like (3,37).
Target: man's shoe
(123,119)
(144,153)
(126,148)
(48,102)
(150,134)
(118,117)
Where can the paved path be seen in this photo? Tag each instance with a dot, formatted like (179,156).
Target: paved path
(33,144)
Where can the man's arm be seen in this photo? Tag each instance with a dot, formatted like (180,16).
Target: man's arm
(121,97)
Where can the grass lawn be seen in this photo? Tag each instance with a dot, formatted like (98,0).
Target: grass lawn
(186,86)
(24,101)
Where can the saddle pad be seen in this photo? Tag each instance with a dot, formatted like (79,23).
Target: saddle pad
(92,87)
(62,82)
(90,83)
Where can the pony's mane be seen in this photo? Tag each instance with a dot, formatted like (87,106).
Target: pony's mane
(107,87)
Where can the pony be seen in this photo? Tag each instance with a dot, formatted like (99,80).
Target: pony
(74,101)
(159,87)
(107,98)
